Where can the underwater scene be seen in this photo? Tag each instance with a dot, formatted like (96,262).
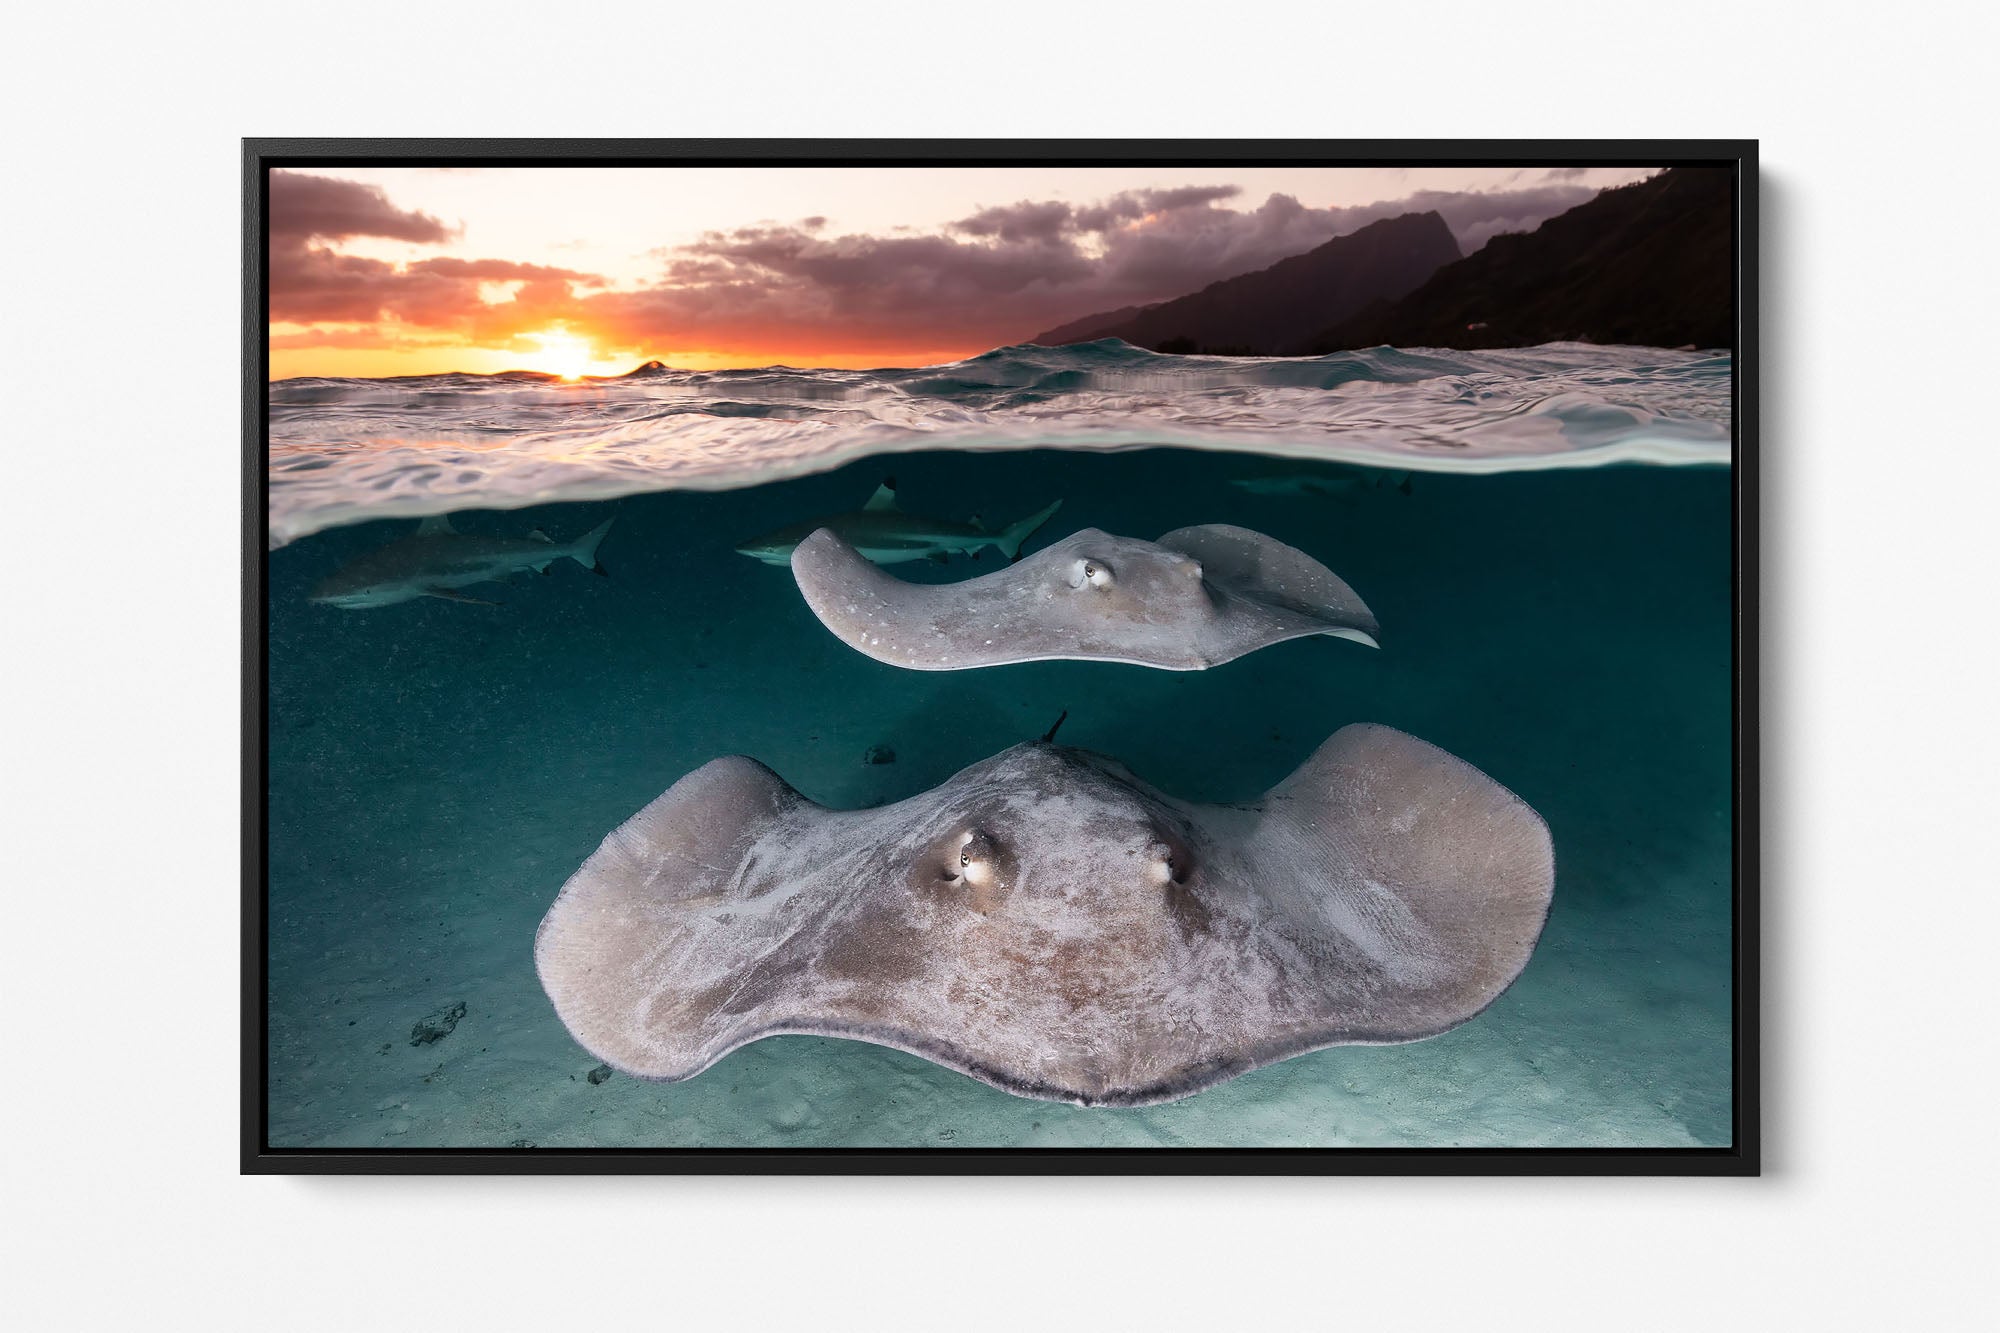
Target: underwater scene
(507,613)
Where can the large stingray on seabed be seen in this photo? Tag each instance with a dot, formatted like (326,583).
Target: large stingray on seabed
(1196,598)
(1048,923)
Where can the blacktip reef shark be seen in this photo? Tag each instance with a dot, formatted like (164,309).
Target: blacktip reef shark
(883,533)
(437,559)
(1338,480)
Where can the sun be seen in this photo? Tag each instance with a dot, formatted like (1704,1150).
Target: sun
(563,353)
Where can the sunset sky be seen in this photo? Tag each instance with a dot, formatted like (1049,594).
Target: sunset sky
(416,270)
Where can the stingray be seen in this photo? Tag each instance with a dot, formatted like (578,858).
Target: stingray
(1196,598)
(1048,923)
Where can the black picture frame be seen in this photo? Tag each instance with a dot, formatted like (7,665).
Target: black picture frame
(1741,1158)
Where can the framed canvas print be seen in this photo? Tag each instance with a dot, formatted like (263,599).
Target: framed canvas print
(999,657)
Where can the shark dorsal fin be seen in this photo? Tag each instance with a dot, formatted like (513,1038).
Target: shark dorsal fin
(537,535)
(437,525)
(884,497)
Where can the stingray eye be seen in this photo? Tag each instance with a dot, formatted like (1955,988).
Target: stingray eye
(1090,574)
(977,859)
(1171,862)
(967,867)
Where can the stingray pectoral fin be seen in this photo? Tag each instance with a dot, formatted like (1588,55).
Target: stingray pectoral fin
(1264,569)
(872,611)
(1432,880)
(637,941)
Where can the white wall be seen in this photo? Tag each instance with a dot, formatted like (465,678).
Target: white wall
(118,466)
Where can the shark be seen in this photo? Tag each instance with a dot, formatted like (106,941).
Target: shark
(883,533)
(437,559)
(1336,480)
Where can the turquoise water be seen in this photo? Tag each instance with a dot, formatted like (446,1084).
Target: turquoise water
(438,769)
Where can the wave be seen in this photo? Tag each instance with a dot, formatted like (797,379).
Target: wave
(349,450)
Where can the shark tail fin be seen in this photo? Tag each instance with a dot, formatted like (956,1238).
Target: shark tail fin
(1009,541)
(884,497)
(584,550)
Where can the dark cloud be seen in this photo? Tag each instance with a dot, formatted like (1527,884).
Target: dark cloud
(1049,221)
(1014,223)
(773,286)
(311,285)
(1005,271)
(315,284)
(1131,205)
(307,208)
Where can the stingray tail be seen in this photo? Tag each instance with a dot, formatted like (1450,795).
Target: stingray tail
(584,551)
(1009,541)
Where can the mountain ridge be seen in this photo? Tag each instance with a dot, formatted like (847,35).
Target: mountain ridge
(1271,310)
(1647,264)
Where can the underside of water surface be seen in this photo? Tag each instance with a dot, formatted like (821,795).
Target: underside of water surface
(438,769)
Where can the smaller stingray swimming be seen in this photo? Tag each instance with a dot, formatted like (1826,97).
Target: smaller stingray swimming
(1196,598)
(436,560)
(1048,923)
(885,533)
